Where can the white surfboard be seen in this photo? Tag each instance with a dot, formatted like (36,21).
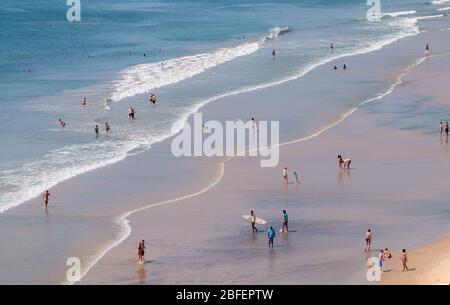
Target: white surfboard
(258,220)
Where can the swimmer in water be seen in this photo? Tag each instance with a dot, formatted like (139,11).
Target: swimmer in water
(62,123)
(332,48)
(107,128)
(335,68)
(344,164)
(131,113)
(427,49)
(368,239)
(84,102)
(345,67)
(96,130)
(274,53)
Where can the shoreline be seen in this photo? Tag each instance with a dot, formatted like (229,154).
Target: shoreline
(337,123)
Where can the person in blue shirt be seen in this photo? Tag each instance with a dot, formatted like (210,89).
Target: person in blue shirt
(271,236)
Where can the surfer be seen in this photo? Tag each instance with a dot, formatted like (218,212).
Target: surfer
(368,239)
(46,196)
(96,130)
(343,164)
(285,175)
(271,236)
(62,123)
(404,259)
(84,102)
(254,229)
(285,221)
(107,128)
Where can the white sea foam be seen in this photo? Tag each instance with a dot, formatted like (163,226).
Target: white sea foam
(443,9)
(402,13)
(439,2)
(144,78)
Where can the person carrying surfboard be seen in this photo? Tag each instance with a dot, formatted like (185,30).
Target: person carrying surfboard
(271,236)
(254,229)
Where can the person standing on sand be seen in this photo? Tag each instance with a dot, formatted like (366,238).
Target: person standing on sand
(446,129)
(285,221)
(368,239)
(141,252)
(271,236)
(46,197)
(297,181)
(254,229)
(404,259)
(285,175)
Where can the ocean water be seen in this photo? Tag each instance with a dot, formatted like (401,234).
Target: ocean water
(195,52)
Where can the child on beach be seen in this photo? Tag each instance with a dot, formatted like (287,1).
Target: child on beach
(381,259)
(368,239)
(285,175)
(141,252)
(297,181)
(404,259)
(271,236)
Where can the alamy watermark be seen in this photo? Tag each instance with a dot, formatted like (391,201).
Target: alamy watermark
(74,12)
(374,272)
(73,273)
(236,138)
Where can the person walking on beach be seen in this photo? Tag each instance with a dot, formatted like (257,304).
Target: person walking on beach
(381,259)
(271,236)
(46,197)
(343,164)
(404,259)
(285,175)
(285,221)
(368,239)
(297,181)
(446,129)
(254,229)
(141,253)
